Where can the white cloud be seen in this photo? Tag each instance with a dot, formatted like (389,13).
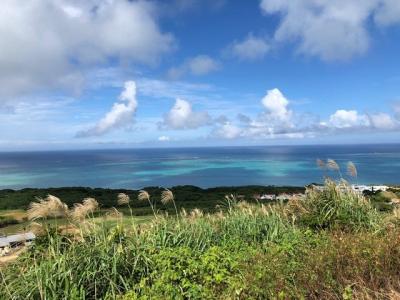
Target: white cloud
(331,30)
(164,138)
(120,116)
(396,108)
(227,131)
(388,13)
(46,44)
(347,119)
(278,121)
(198,65)
(202,64)
(382,121)
(277,106)
(252,48)
(182,116)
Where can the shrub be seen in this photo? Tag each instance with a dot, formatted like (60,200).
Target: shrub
(183,273)
(325,265)
(337,206)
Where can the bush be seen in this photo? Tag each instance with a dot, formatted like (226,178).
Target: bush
(337,206)
(182,273)
(325,265)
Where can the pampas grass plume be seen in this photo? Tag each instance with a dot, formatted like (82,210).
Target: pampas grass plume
(167,196)
(332,165)
(351,169)
(51,206)
(143,196)
(123,199)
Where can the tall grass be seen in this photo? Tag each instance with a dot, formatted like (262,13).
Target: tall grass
(192,256)
(109,261)
(336,205)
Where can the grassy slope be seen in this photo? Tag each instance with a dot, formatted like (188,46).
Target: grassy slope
(14,202)
(333,245)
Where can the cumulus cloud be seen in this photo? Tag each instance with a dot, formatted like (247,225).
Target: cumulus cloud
(198,65)
(382,121)
(164,138)
(48,43)
(331,30)
(351,119)
(396,108)
(251,48)
(227,131)
(277,120)
(277,105)
(347,119)
(182,116)
(120,116)
(388,13)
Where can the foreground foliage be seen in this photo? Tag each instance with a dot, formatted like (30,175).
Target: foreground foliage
(331,245)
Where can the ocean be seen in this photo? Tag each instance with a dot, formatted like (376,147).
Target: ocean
(203,167)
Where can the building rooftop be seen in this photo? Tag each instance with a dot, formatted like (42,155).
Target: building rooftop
(16,238)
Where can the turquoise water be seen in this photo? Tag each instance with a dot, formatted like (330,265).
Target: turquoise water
(204,167)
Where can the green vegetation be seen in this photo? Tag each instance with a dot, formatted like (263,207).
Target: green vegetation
(331,245)
(383,200)
(185,196)
(337,206)
(7,221)
(13,202)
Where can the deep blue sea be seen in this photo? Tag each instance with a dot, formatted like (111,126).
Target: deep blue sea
(204,167)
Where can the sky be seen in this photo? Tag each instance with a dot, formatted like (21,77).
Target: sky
(122,74)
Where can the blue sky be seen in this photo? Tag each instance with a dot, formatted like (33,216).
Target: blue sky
(109,74)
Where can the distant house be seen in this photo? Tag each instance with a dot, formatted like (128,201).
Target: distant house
(16,240)
(298,196)
(267,197)
(283,197)
(370,188)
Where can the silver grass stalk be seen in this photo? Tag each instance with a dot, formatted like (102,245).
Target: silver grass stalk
(196,213)
(351,169)
(167,196)
(183,212)
(51,206)
(333,165)
(82,210)
(114,213)
(123,199)
(145,196)
(91,204)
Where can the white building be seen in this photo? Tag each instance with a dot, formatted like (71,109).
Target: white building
(267,197)
(16,240)
(371,188)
